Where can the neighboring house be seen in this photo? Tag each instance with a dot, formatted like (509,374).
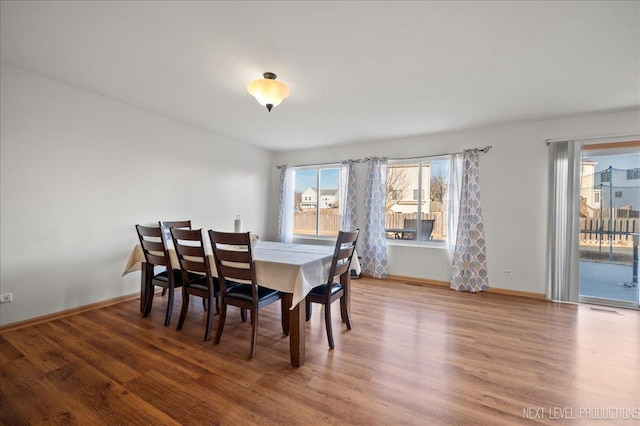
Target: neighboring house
(618,188)
(406,199)
(590,197)
(328,198)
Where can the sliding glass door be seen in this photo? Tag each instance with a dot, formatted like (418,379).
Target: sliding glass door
(609,224)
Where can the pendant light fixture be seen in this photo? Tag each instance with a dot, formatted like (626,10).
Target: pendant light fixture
(268,91)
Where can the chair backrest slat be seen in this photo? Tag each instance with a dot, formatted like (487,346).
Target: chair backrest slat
(345,253)
(233,257)
(236,256)
(155,259)
(234,273)
(152,244)
(189,246)
(341,262)
(168,224)
(192,266)
(193,251)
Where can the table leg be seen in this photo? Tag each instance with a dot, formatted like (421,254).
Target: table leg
(297,321)
(143,286)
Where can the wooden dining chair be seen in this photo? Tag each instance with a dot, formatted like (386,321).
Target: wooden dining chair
(328,293)
(156,255)
(196,273)
(166,225)
(234,262)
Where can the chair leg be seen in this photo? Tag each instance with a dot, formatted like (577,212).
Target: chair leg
(243,314)
(217,305)
(183,311)
(149,300)
(204,304)
(327,323)
(308,306)
(254,332)
(223,316)
(207,332)
(345,312)
(164,291)
(167,318)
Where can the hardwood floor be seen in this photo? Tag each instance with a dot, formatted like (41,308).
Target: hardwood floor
(416,355)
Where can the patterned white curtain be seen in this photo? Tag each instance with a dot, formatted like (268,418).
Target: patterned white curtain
(347,196)
(564,223)
(285,217)
(453,202)
(374,256)
(469,270)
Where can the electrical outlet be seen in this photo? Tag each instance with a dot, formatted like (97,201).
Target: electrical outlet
(6,298)
(507,272)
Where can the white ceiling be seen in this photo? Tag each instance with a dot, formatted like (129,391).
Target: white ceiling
(357,70)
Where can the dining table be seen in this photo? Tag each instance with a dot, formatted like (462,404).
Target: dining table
(293,269)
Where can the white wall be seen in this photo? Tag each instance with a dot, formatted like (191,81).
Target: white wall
(513,177)
(78,171)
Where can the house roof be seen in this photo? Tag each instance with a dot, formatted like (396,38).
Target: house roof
(322,192)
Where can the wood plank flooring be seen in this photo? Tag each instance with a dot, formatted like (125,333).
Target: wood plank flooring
(416,355)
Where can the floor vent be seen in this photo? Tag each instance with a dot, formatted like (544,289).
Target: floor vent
(610,311)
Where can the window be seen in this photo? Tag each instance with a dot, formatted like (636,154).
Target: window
(618,194)
(633,173)
(317,197)
(605,176)
(395,194)
(417,189)
(596,197)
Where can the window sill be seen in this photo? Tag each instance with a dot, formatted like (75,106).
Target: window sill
(316,237)
(410,243)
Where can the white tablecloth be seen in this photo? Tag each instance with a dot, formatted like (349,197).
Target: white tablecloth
(291,268)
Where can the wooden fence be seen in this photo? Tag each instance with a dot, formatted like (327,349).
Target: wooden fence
(596,230)
(305,222)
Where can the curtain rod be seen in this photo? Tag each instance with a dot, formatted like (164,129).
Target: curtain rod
(593,138)
(317,164)
(485,149)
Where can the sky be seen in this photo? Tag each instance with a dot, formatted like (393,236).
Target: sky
(308,178)
(330,177)
(621,161)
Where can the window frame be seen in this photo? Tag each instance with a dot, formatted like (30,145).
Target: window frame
(419,161)
(633,174)
(317,168)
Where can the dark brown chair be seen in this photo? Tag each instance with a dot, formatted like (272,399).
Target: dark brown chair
(234,262)
(166,225)
(328,293)
(196,273)
(156,255)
